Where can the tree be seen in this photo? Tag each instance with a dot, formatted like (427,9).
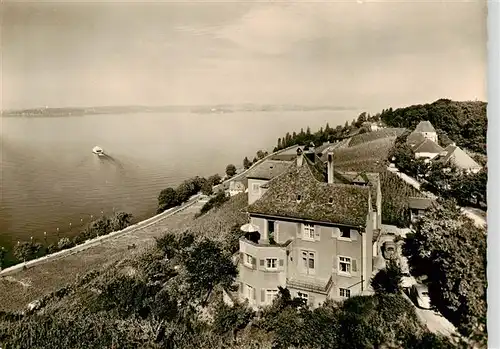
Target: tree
(388,280)
(451,250)
(185,190)
(120,221)
(214,179)
(260,155)
(207,188)
(167,199)
(207,265)
(246,163)
(3,253)
(26,250)
(64,243)
(230,170)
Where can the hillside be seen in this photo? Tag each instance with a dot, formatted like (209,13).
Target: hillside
(465,123)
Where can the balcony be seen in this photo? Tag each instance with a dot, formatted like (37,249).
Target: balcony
(266,243)
(312,285)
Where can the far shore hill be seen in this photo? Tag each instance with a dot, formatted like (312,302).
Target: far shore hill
(200,109)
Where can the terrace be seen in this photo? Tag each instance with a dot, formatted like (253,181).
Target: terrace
(311,284)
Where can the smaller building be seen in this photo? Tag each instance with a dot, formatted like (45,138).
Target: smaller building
(236,187)
(263,173)
(427,130)
(417,206)
(460,159)
(428,149)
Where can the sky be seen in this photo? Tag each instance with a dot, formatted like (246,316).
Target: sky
(350,53)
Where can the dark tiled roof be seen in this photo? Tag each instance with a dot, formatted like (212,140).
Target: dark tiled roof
(414,139)
(419,203)
(425,126)
(269,169)
(349,206)
(428,146)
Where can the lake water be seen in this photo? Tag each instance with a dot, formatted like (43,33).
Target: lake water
(50,178)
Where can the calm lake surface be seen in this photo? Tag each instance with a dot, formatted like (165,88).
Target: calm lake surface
(50,178)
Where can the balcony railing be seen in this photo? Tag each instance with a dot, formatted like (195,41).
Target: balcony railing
(313,285)
(267,243)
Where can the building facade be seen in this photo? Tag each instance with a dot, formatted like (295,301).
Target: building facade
(316,234)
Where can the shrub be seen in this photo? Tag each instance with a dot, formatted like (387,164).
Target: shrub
(230,170)
(388,280)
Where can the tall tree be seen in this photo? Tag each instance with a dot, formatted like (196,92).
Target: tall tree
(207,266)
(230,170)
(246,163)
(451,250)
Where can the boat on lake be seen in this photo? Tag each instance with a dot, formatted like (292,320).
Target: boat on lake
(98,150)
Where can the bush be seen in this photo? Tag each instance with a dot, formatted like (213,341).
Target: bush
(388,280)
(64,243)
(230,170)
(214,202)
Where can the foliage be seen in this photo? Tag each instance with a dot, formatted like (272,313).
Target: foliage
(451,250)
(171,244)
(261,154)
(230,170)
(214,202)
(230,320)
(246,163)
(27,250)
(464,122)
(120,221)
(3,252)
(167,199)
(207,265)
(207,188)
(64,243)
(388,280)
(214,179)
(232,241)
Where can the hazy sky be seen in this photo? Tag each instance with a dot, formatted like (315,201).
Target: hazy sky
(366,55)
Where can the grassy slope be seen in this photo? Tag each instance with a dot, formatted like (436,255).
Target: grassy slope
(371,155)
(372,136)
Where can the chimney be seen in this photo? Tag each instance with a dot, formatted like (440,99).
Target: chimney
(330,166)
(300,157)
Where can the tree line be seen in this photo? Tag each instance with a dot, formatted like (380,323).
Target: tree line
(326,134)
(463,122)
(27,250)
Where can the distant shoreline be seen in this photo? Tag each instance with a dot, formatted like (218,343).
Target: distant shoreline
(202,109)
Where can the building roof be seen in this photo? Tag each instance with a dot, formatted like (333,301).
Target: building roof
(414,139)
(419,203)
(459,158)
(428,146)
(349,204)
(268,169)
(425,126)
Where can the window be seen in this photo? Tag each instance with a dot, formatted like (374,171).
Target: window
(345,265)
(308,262)
(303,295)
(345,233)
(250,293)
(308,231)
(299,197)
(270,226)
(255,187)
(271,263)
(271,295)
(345,293)
(248,260)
